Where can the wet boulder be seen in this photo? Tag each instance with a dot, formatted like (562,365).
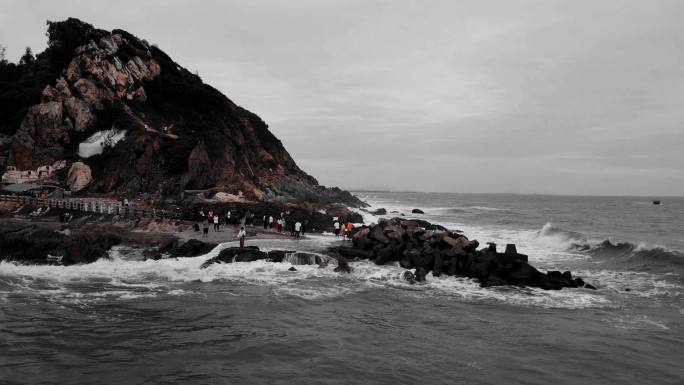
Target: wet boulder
(236,254)
(557,278)
(342,266)
(409,276)
(192,248)
(524,275)
(88,248)
(458,243)
(30,245)
(417,211)
(353,253)
(278,255)
(377,234)
(420,274)
(385,255)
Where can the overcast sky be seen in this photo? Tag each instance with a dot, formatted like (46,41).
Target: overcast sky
(563,97)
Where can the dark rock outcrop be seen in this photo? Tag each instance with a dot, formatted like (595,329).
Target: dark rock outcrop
(342,266)
(180,133)
(36,245)
(236,254)
(252,253)
(192,248)
(428,248)
(417,211)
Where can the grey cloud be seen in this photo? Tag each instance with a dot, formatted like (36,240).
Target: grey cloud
(501,96)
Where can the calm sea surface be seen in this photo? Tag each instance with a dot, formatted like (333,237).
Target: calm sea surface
(129,321)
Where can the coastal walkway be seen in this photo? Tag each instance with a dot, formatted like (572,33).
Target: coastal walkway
(93,206)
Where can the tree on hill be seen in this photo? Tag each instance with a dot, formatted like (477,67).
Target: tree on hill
(21,83)
(27,58)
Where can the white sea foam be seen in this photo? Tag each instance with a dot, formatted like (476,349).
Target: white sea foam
(126,280)
(634,283)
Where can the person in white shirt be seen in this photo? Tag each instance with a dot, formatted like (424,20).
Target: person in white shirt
(216,223)
(297,228)
(336,226)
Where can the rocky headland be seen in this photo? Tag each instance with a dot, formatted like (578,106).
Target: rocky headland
(107,115)
(132,123)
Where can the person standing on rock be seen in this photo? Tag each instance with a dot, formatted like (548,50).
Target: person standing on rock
(205,228)
(241,236)
(297,229)
(336,227)
(270,222)
(350,227)
(306,223)
(216,223)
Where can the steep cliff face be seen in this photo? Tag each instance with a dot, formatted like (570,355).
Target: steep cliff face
(180,134)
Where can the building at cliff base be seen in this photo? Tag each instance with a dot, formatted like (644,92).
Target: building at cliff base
(12,175)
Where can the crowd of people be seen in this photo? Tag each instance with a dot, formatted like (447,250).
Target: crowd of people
(217,219)
(343,230)
(285,223)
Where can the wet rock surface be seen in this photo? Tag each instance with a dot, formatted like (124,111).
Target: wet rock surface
(253,253)
(35,245)
(191,248)
(426,248)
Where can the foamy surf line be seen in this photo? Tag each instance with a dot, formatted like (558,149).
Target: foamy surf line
(127,280)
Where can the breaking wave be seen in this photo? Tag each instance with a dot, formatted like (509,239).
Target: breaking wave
(638,256)
(641,256)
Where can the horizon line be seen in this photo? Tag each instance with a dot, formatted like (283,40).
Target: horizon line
(508,193)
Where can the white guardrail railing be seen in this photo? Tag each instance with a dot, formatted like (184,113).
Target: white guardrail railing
(100,207)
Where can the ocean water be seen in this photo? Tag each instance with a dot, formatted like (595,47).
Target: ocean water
(124,320)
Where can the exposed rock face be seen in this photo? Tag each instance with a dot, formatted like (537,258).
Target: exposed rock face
(91,80)
(181,133)
(79,176)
